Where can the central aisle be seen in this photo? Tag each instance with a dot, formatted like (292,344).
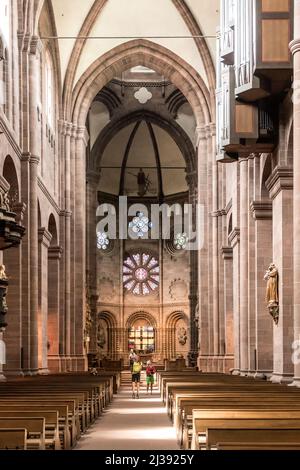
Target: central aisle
(131,424)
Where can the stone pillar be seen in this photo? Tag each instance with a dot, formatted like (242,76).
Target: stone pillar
(54,346)
(193,258)
(280,186)
(295,48)
(227,254)
(45,238)
(80,245)
(215,255)
(65,325)
(262,214)
(91,256)
(251,273)
(203,278)
(243,275)
(72,248)
(34,146)
(234,239)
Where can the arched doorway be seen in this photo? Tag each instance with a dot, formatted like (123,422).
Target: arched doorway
(177,336)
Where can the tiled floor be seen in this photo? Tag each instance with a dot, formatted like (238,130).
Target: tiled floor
(131,424)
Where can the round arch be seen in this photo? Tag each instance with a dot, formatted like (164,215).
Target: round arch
(106,338)
(266,173)
(131,54)
(141,315)
(52,227)
(10,174)
(174,130)
(108,317)
(171,328)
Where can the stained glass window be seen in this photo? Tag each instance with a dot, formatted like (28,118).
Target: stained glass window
(141,273)
(141,339)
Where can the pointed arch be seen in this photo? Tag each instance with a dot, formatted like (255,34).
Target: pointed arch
(148,54)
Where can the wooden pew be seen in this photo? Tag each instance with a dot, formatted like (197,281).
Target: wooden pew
(258,437)
(257,446)
(73,419)
(247,419)
(183,416)
(51,424)
(63,416)
(13,439)
(185,424)
(35,430)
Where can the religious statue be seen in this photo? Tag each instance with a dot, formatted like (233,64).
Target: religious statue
(4,200)
(3,292)
(2,272)
(272,298)
(100,336)
(182,336)
(143,182)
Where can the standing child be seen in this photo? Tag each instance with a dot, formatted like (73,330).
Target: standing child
(150,371)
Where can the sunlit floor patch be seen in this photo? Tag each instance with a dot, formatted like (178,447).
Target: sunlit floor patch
(131,424)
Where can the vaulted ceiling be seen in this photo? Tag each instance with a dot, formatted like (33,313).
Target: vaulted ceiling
(135,18)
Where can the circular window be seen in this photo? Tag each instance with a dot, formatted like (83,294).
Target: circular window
(141,273)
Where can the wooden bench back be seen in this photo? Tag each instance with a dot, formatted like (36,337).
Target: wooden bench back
(13,439)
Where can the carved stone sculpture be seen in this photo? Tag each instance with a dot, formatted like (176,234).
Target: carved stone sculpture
(2,272)
(4,200)
(3,292)
(272,298)
(182,336)
(100,336)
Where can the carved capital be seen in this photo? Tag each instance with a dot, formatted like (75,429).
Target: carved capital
(45,237)
(55,252)
(261,210)
(65,128)
(281,179)
(227,253)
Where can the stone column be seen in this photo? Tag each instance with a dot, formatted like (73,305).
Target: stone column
(295,48)
(54,348)
(66,130)
(80,245)
(72,247)
(203,278)
(227,254)
(91,256)
(243,275)
(251,273)
(193,259)
(215,253)
(280,186)
(35,148)
(45,238)
(262,214)
(234,240)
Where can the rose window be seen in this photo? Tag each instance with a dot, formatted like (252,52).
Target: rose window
(141,273)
